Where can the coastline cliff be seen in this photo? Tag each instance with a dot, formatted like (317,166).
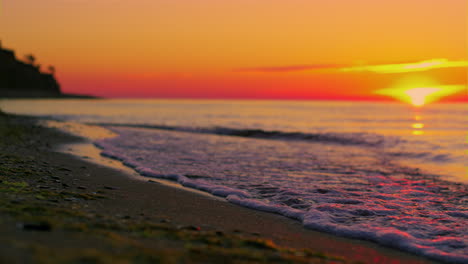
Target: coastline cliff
(25,80)
(19,79)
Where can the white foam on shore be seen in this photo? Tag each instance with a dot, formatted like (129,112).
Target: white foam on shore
(406,212)
(201,185)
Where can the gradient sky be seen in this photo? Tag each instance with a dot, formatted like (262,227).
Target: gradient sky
(295,49)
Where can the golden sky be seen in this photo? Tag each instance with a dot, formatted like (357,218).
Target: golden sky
(238,48)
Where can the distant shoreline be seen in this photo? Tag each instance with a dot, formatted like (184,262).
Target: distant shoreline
(62,96)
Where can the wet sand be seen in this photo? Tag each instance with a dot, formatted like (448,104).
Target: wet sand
(128,196)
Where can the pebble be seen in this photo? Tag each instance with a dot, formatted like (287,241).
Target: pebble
(81,187)
(40,226)
(110,188)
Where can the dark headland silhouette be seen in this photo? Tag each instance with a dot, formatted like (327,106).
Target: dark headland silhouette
(25,79)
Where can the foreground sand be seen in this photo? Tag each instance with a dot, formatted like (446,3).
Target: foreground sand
(59,208)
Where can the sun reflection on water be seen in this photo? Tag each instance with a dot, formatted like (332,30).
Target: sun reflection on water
(417,126)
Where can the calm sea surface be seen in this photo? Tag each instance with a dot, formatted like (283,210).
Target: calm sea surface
(385,172)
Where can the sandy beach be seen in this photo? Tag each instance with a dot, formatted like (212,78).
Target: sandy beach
(62,208)
(233,132)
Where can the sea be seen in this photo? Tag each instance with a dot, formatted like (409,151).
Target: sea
(384,172)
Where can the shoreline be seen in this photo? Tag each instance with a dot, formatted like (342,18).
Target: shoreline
(89,150)
(136,200)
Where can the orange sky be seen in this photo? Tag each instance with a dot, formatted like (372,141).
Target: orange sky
(293,49)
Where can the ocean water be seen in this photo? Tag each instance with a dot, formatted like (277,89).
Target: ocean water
(384,172)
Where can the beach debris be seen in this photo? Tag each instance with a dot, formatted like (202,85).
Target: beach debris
(165,221)
(81,187)
(64,169)
(39,226)
(110,188)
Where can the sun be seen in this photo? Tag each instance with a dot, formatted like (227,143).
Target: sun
(420,90)
(421,95)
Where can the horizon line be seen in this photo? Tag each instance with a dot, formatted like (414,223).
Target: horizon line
(387,100)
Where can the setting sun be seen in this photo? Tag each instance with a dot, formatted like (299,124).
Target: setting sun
(420,96)
(420,90)
(346,117)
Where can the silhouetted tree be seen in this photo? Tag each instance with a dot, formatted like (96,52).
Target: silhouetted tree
(30,59)
(51,69)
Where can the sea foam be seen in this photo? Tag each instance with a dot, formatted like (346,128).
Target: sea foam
(345,190)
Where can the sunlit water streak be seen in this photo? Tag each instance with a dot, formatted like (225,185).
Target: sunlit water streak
(382,172)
